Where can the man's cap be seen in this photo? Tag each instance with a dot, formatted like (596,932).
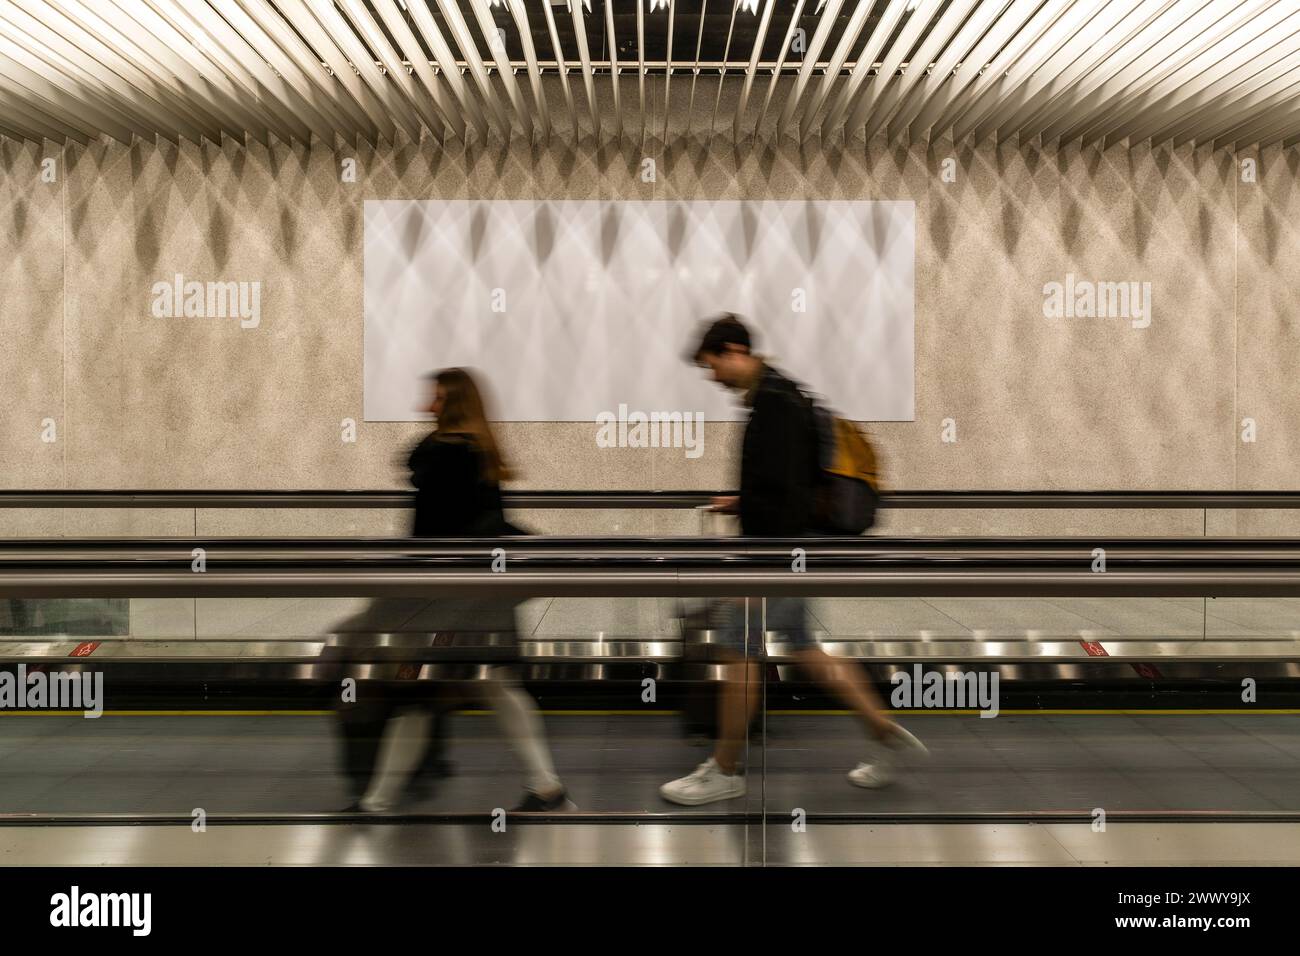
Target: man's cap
(717,333)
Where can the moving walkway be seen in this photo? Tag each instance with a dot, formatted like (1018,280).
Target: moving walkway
(1139,710)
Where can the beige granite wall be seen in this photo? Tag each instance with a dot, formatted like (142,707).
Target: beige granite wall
(140,402)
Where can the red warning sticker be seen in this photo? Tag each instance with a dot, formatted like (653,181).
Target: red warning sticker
(84,649)
(1094,649)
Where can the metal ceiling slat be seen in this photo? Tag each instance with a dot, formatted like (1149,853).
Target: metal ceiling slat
(487,26)
(1133,75)
(993,104)
(1221,72)
(1269,88)
(229,51)
(60,54)
(640,59)
(276,107)
(1025,95)
(465,40)
(1282,130)
(561,65)
(861,71)
(263,44)
(722,74)
(17,134)
(780,61)
(145,69)
(81,99)
(941,36)
(1055,117)
(427,27)
(1143,47)
(819,38)
(360,102)
(1278,100)
(333,100)
(1028,120)
(119,27)
(668,61)
(941,95)
(1265,132)
(15,106)
(1282,134)
(695,70)
(852,31)
(588,82)
(922,16)
(1254,126)
(423,72)
(413,93)
(751,68)
(112,92)
(981,95)
(961,48)
(402,32)
(519,12)
(169,73)
(60,104)
(611,44)
(1197,93)
(1211,62)
(384,92)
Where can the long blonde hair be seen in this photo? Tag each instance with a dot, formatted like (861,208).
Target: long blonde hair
(464,413)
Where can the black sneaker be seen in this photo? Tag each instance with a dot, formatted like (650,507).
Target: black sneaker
(532,803)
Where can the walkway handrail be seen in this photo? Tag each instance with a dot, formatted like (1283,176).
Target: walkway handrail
(646,579)
(635,500)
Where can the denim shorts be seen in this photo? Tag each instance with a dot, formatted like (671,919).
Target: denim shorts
(741,631)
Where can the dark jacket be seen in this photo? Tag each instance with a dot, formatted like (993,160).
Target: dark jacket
(778,461)
(453,498)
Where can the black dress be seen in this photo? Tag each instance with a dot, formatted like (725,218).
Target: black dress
(455,499)
(453,496)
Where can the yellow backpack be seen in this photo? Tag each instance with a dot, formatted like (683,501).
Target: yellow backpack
(851,475)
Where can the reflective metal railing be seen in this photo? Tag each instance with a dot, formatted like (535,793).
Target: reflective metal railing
(629,500)
(523,567)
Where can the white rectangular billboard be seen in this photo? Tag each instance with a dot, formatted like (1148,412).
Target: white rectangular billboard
(571,308)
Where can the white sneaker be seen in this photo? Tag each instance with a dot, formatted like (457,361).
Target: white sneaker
(882,769)
(707,784)
(872,776)
(904,741)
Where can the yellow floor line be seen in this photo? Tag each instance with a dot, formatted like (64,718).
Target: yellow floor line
(1254,712)
(168,713)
